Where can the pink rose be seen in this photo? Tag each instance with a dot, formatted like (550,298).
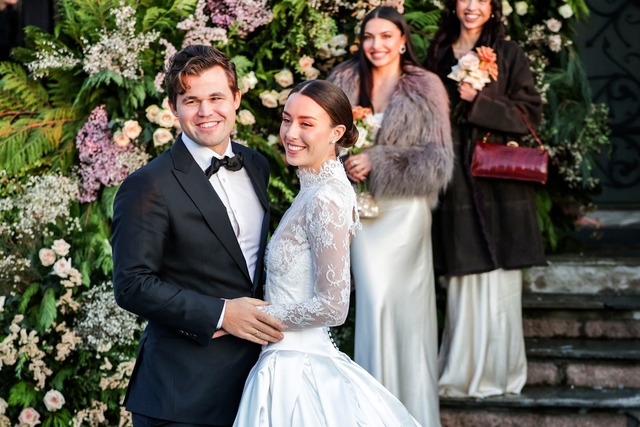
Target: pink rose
(132,129)
(47,256)
(162,136)
(284,78)
(53,400)
(60,247)
(152,112)
(312,73)
(305,63)
(62,267)
(284,95)
(120,139)
(29,417)
(269,98)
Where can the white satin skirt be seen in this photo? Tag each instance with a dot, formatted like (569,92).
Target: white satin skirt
(482,352)
(304,380)
(396,338)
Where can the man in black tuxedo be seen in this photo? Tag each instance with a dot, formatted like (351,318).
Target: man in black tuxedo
(189,232)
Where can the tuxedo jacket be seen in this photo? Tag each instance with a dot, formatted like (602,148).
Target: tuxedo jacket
(175,257)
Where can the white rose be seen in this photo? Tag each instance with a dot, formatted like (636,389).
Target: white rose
(3,405)
(53,400)
(248,82)
(339,41)
(273,139)
(506,8)
(62,267)
(47,257)
(269,98)
(132,129)
(555,42)
(306,62)
(553,25)
(245,117)
(29,417)
(521,7)
(120,139)
(2,300)
(165,118)
(362,137)
(324,51)
(284,78)
(282,98)
(312,73)
(338,52)
(161,137)
(469,62)
(565,11)
(165,103)
(60,247)
(152,112)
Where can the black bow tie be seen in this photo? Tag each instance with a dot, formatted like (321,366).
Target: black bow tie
(231,163)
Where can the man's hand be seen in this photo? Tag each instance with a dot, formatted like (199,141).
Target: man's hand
(243,320)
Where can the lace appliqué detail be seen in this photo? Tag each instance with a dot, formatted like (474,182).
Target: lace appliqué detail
(308,263)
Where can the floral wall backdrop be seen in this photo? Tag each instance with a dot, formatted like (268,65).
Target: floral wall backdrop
(83,107)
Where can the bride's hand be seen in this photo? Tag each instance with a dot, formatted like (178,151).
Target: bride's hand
(358,167)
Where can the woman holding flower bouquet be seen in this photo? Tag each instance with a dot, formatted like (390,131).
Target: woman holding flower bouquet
(485,230)
(410,161)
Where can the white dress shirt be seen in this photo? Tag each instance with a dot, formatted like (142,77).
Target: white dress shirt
(239,198)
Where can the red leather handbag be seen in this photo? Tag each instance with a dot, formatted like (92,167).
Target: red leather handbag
(511,161)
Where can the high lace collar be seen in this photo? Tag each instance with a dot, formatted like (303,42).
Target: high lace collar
(329,169)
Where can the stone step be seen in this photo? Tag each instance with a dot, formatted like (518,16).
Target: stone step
(585,274)
(555,301)
(628,350)
(546,407)
(600,324)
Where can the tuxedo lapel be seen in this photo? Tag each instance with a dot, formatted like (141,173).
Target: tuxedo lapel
(195,183)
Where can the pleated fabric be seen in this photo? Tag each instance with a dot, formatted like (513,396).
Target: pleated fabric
(304,380)
(482,352)
(396,338)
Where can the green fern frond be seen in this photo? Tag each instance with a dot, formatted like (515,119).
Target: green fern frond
(423,22)
(163,17)
(26,94)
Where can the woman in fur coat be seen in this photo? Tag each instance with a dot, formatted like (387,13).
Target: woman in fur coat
(485,230)
(410,163)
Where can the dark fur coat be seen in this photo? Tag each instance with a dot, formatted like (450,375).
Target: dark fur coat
(413,155)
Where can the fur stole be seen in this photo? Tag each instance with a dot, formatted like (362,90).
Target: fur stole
(413,155)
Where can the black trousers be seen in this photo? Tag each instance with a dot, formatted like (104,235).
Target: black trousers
(144,421)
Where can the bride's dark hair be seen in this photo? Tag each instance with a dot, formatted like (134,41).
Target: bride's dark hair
(334,101)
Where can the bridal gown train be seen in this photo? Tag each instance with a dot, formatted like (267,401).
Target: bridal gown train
(304,380)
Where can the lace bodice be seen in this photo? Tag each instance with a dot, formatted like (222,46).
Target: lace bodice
(308,262)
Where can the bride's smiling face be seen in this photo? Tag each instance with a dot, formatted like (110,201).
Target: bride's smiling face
(307,133)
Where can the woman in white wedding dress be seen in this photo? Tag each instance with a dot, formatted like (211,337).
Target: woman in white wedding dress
(304,380)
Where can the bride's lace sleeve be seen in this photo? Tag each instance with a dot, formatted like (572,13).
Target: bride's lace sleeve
(330,222)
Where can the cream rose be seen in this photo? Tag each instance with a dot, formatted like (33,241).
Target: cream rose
(521,7)
(553,25)
(62,267)
(273,139)
(339,41)
(60,247)
(245,117)
(282,98)
(506,8)
(161,137)
(132,129)
(269,98)
(248,82)
(29,417)
(47,256)
(3,404)
(120,139)
(165,103)
(469,62)
(152,112)
(2,300)
(284,78)
(312,73)
(555,42)
(165,118)
(565,11)
(305,63)
(53,400)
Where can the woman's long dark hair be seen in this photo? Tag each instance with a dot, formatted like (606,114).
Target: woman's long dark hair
(449,31)
(408,57)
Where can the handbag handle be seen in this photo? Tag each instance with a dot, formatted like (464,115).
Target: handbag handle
(531,129)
